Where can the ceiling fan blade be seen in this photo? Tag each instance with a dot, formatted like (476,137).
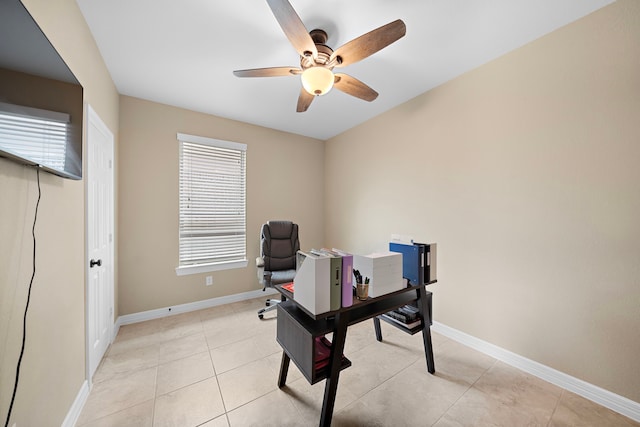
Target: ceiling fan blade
(268,72)
(354,87)
(293,27)
(304,100)
(369,43)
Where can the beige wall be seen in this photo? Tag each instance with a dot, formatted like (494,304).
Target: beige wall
(53,368)
(525,172)
(284,181)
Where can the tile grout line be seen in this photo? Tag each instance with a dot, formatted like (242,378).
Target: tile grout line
(155,389)
(258,397)
(466,391)
(377,386)
(155,392)
(215,375)
(555,408)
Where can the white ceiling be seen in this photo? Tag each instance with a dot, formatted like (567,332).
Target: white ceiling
(183,52)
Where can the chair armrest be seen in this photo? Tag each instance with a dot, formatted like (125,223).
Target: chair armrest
(264,277)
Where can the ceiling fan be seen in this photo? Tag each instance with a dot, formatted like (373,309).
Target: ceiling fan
(317,60)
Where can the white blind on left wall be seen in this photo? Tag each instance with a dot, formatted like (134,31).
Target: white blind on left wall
(212,202)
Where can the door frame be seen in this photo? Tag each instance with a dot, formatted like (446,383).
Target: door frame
(92,118)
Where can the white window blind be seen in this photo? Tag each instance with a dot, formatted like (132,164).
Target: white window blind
(212,204)
(34,134)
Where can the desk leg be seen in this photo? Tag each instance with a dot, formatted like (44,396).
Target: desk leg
(424,305)
(331,383)
(376,326)
(284,369)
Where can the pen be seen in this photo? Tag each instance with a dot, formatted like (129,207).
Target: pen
(357,276)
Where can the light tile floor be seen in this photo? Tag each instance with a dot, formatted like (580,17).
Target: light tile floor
(218,367)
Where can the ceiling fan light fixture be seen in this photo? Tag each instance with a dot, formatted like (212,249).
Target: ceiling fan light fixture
(317,80)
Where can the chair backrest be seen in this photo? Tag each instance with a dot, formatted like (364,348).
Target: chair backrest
(279,244)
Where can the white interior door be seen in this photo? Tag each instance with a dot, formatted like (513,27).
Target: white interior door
(100,254)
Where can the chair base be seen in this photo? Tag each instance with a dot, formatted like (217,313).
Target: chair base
(271,305)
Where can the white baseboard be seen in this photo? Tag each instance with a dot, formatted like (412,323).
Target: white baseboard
(76,408)
(185,308)
(603,397)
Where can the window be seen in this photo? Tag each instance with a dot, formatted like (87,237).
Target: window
(212,205)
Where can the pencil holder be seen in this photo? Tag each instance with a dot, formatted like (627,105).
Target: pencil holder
(362,291)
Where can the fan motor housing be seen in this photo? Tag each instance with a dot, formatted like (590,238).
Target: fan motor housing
(319,37)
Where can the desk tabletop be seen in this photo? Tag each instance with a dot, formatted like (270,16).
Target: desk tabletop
(364,308)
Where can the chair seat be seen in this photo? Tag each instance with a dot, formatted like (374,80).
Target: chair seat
(282,276)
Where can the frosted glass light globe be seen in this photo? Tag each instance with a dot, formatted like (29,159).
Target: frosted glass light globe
(317,80)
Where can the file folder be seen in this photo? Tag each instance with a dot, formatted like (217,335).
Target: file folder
(347,277)
(312,288)
(335,277)
(413,261)
(336,283)
(430,264)
(419,261)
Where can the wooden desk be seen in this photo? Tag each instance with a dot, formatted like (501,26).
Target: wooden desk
(297,329)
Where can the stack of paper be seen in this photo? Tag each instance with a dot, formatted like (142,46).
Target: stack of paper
(384,270)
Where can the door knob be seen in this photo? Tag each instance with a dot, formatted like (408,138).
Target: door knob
(93,263)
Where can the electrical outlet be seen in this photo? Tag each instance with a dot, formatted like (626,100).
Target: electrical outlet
(209,280)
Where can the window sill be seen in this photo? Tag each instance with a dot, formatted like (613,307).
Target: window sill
(205,268)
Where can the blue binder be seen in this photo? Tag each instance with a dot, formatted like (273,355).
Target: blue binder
(413,261)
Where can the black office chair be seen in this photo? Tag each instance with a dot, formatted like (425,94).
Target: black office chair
(277,261)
